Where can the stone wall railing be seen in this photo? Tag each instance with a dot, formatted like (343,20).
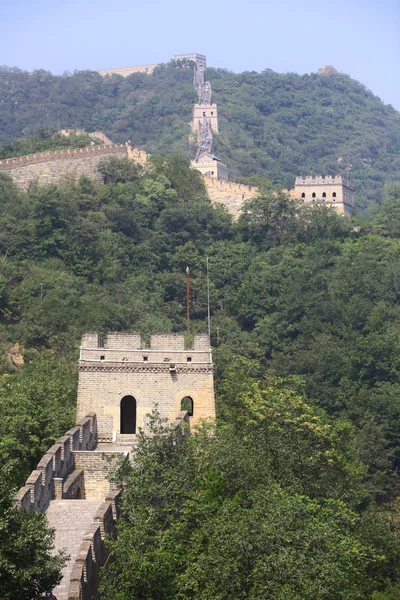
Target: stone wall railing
(230,186)
(76,153)
(126,71)
(93,552)
(56,465)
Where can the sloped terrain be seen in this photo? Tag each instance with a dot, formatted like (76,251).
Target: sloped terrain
(274,125)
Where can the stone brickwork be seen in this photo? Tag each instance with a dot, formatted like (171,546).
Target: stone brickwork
(210,112)
(71,519)
(72,480)
(81,581)
(336,192)
(126,71)
(61,165)
(230,194)
(97,466)
(57,465)
(211,167)
(162,374)
(71,485)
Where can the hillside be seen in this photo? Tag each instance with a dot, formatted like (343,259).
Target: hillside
(276,125)
(305,327)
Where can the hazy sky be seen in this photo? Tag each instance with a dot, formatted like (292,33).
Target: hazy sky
(358,37)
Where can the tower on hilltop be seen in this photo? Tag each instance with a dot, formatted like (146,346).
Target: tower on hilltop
(205,121)
(336,192)
(121,381)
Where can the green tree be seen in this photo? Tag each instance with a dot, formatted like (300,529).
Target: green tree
(27,563)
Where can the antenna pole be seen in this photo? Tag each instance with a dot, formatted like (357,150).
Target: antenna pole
(188,300)
(208,303)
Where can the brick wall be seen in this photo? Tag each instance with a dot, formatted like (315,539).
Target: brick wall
(61,165)
(126,71)
(58,463)
(230,194)
(97,466)
(162,374)
(93,552)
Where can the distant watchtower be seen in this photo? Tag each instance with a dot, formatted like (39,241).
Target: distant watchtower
(336,192)
(120,380)
(200,66)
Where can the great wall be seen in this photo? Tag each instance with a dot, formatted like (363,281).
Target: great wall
(62,166)
(66,166)
(120,380)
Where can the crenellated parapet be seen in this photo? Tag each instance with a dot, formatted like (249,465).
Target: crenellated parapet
(334,191)
(134,376)
(126,71)
(92,553)
(320,180)
(66,166)
(8,164)
(229,193)
(43,484)
(132,341)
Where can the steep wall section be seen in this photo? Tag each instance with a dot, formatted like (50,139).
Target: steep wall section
(65,165)
(46,482)
(125,71)
(71,486)
(230,194)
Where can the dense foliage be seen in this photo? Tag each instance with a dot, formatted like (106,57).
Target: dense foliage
(298,465)
(45,140)
(27,566)
(275,125)
(265,510)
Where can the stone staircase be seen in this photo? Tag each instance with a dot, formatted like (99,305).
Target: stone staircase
(70,519)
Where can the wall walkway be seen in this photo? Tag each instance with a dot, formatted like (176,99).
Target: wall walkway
(70,519)
(71,486)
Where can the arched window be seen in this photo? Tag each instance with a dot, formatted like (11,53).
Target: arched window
(187,405)
(128,415)
(303,195)
(212,112)
(333,194)
(204,113)
(313,195)
(324,194)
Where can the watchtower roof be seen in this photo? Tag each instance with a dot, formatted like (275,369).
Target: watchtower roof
(321,180)
(122,340)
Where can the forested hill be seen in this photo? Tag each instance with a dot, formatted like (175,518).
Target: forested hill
(277,125)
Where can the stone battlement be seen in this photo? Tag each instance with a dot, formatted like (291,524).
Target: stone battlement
(126,71)
(131,341)
(62,166)
(132,374)
(69,154)
(334,191)
(92,553)
(42,484)
(230,194)
(230,186)
(320,180)
(193,56)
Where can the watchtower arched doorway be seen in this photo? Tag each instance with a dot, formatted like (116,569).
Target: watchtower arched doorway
(187,405)
(128,415)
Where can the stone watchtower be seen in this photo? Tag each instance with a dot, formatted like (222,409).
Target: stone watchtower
(121,380)
(336,192)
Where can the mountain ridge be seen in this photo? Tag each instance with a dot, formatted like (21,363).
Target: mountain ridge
(275,125)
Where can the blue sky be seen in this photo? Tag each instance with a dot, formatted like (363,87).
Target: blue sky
(360,38)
